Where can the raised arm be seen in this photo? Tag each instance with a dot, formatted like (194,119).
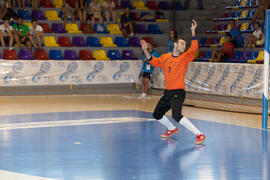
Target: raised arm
(191,52)
(158,62)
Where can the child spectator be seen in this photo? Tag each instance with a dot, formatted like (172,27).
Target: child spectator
(81,10)
(95,9)
(127,23)
(22,34)
(6,34)
(172,36)
(236,34)
(226,51)
(68,12)
(109,10)
(36,31)
(257,38)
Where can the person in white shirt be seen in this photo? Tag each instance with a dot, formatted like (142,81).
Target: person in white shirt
(6,34)
(95,9)
(109,10)
(256,38)
(36,31)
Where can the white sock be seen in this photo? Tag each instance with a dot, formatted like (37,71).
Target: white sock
(165,121)
(189,126)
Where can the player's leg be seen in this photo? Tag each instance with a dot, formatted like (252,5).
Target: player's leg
(162,107)
(177,104)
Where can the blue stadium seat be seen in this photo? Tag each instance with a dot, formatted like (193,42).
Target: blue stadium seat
(56,55)
(25,14)
(121,42)
(93,42)
(114,55)
(100,29)
(154,29)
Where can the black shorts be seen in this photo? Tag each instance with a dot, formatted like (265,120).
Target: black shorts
(171,99)
(147,75)
(6,39)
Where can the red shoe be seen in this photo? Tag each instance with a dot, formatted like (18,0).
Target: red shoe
(168,133)
(200,138)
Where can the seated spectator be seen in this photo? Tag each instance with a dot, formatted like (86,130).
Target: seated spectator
(95,12)
(81,10)
(34,4)
(260,12)
(226,51)
(257,38)
(7,9)
(172,36)
(3,10)
(22,34)
(36,31)
(236,35)
(127,23)
(6,34)
(147,69)
(109,10)
(21,4)
(68,12)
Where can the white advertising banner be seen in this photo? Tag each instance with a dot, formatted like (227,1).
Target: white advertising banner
(31,73)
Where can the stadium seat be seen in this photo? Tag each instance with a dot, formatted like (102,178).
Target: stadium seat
(154,29)
(86,55)
(221,41)
(202,41)
(70,55)
(143,14)
(244,14)
(200,56)
(245,55)
(121,42)
(28,24)
(100,29)
(114,55)
(141,29)
(38,14)
(25,54)
(10,55)
(41,55)
(113,29)
(82,28)
(129,55)
(78,41)
(237,55)
(56,55)
(93,42)
(208,42)
(46,4)
(45,27)
(52,15)
(107,42)
(72,3)
(24,14)
(253,55)
(134,42)
(164,5)
(152,5)
(49,41)
(176,6)
(64,41)
(100,55)
(58,3)
(139,4)
(260,57)
(126,3)
(73,29)
(58,28)
(243,3)
(208,55)
(245,27)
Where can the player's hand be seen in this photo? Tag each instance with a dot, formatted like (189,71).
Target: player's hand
(143,44)
(193,25)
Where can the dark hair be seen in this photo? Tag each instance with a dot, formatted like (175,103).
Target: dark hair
(175,33)
(34,20)
(257,23)
(19,17)
(233,20)
(228,35)
(6,19)
(177,39)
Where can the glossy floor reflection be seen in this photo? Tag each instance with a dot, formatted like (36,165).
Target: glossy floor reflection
(131,150)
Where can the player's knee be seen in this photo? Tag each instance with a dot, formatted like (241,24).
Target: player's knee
(177,117)
(157,116)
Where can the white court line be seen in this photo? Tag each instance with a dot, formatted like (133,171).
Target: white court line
(7,175)
(70,123)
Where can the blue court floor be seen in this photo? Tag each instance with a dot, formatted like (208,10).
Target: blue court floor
(87,146)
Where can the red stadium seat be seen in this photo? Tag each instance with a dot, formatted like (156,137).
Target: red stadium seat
(46,4)
(86,55)
(64,41)
(46,27)
(10,55)
(41,55)
(152,5)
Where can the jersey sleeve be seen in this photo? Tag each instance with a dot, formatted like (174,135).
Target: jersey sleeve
(157,62)
(190,55)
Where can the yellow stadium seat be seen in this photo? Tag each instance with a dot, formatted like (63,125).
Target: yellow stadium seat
(243,2)
(58,3)
(72,28)
(162,20)
(139,4)
(251,61)
(244,27)
(113,29)
(107,42)
(100,55)
(101,1)
(228,27)
(50,41)
(244,14)
(222,40)
(260,56)
(52,15)
(27,24)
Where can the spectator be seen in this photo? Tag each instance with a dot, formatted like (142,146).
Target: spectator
(3,9)
(81,10)
(257,38)
(173,36)
(226,51)
(22,35)
(95,9)
(260,12)
(199,4)
(109,10)
(6,34)
(35,4)
(147,69)
(7,9)
(127,23)
(36,31)
(236,34)
(68,12)
(21,4)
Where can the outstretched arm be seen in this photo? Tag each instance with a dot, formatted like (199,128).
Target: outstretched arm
(191,52)
(158,62)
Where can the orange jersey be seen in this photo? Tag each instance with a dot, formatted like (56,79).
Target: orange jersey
(174,68)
